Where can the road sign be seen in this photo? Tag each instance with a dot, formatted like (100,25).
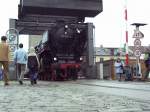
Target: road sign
(138,34)
(137,53)
(12,35)
(137,43)
(12,49)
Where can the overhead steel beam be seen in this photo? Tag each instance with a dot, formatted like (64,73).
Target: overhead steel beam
(37,28)
(51,19)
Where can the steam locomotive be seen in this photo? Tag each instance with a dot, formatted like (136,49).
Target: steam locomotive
(62,49)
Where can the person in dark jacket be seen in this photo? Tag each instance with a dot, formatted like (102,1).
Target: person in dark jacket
(147,65)
(33,65)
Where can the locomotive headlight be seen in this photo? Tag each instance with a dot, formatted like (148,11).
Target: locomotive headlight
(78,31)
(55,59)
(81,58)
(66,33)
(65,30)
(66,26)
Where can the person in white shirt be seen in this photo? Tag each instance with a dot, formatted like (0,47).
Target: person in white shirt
(20,59)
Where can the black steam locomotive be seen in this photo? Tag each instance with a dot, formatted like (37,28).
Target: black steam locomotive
(62,49)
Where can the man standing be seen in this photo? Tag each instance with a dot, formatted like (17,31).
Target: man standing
(4,58)
(20,58)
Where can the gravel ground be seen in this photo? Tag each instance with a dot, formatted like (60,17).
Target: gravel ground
(64,97)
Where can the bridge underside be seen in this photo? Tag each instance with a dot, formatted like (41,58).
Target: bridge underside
(34,17)
(76,8)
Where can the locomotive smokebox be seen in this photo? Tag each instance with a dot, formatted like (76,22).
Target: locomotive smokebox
(77,8)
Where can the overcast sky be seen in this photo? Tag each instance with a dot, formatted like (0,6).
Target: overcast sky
(110,24)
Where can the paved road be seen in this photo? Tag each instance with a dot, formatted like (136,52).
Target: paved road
(70,96)
(137,90)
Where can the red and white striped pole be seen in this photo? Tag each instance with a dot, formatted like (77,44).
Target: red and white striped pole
(126,33)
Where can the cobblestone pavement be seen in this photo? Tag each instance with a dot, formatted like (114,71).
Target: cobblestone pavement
(64,97)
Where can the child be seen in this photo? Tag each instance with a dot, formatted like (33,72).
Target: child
(33,66)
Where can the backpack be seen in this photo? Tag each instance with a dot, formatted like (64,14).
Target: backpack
(32,62)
